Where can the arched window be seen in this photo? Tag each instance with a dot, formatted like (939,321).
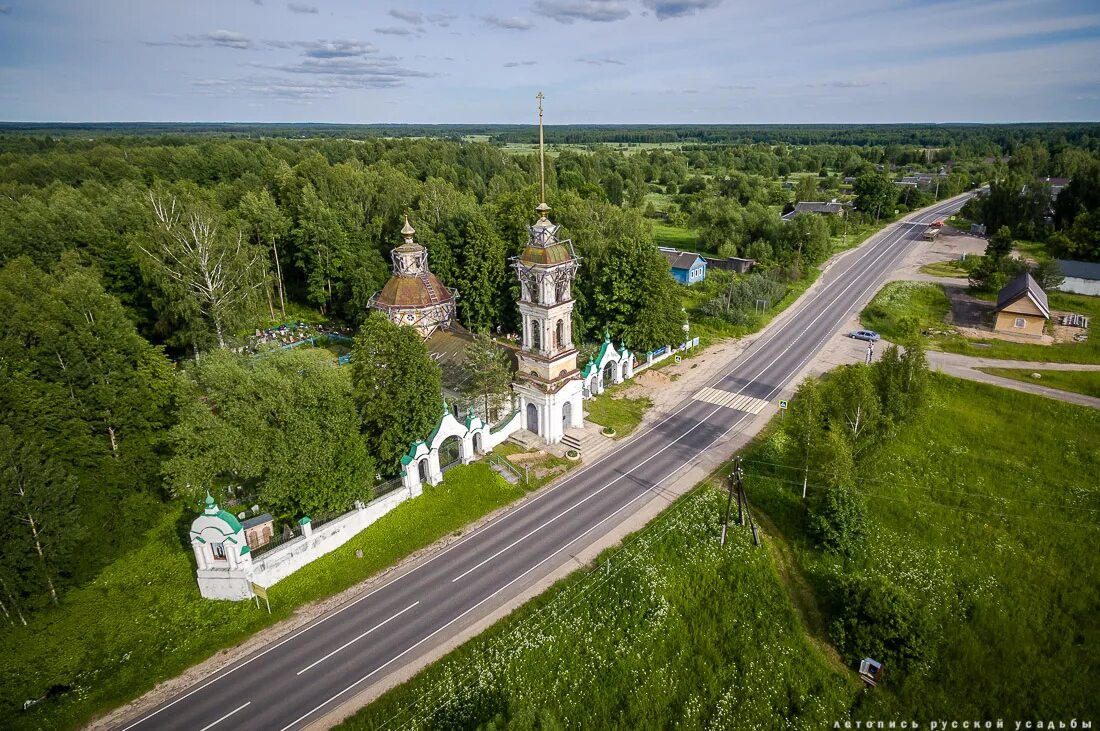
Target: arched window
(536,335)
(559,334)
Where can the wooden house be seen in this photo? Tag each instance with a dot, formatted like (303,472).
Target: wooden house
(1022,308)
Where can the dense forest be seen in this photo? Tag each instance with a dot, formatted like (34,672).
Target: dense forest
(138,262)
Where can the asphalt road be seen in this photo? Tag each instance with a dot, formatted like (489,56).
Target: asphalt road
(297,679)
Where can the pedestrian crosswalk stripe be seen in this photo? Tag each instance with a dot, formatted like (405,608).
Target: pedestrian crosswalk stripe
(737,401)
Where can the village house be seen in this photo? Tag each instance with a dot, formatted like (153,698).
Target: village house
(832,208)
(686,268)
(1022,308)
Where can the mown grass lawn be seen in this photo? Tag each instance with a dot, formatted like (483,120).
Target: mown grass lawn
(678,633)
(142,620)
(621,413)
(979,514)
(1086,382)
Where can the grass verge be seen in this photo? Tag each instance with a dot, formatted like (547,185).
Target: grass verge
(621,413)
(1084,382)
(142,620)
(950,268)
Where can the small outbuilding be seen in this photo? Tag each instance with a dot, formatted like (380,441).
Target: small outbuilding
(1081,277)
(686,268)
(1022,308)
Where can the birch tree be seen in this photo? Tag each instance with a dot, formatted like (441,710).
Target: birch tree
(215,269)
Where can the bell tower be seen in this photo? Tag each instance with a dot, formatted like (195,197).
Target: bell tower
(548,382)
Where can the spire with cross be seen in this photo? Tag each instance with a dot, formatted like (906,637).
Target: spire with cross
(542,155)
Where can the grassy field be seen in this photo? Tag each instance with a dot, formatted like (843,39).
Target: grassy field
(142,620)
(675,237)
(1086,382)
(977,518)
(678,633)
(984,543)
(899,307)
(621,413)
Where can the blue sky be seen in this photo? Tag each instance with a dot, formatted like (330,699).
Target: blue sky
(597,61)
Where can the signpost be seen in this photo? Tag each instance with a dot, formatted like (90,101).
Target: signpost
(783,407)
(257,592)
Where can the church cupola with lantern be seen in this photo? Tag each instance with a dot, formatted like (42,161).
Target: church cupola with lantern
(414,296)
(548,383)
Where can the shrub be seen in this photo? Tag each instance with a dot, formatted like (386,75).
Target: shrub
(838,520)
(876,618)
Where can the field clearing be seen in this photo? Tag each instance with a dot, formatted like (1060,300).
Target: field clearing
(142,620)
(977,516)
(675,237)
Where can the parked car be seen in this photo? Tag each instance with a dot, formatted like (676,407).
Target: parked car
(868,335)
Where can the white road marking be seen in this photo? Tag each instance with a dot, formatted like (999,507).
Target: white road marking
(737,401)
(349,643)
(212,725)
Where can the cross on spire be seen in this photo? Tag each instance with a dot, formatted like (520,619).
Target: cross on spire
(542,157)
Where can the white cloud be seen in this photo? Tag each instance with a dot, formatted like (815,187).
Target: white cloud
(508,23)
(567,11)
(665,9)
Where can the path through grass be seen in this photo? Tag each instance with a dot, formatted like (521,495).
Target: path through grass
(1086,382)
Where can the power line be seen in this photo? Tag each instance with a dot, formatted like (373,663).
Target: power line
(893,483)
(942,505)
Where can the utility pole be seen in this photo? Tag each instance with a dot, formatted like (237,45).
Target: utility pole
(729,505)
(743,497)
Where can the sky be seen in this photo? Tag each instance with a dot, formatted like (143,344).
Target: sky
(596,61)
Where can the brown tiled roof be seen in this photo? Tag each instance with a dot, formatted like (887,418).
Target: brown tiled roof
(412,292)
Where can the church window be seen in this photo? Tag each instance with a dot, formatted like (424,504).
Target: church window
(536,336)
(219,551)
(559,334)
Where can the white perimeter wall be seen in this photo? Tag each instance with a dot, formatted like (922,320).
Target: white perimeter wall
(281,562)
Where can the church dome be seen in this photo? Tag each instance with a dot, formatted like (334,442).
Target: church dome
(414,296)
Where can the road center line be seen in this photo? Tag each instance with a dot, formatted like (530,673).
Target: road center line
(352,642)
(212,725)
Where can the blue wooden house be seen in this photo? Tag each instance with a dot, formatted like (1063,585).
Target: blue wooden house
(687,268)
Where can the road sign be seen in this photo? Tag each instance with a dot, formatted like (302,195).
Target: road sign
(677,359)
(260,591)
(783,404)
